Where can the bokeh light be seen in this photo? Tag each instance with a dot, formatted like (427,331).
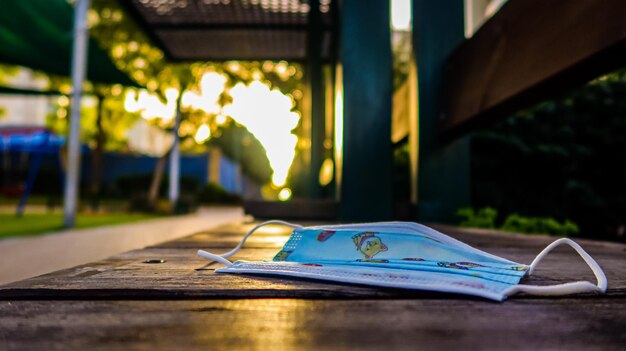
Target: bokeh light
(267,115)
(284,194)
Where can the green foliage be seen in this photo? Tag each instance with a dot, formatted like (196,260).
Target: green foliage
(486,218)
(402,56)
(483,218)
(564,158)
(241,146)
(139,184)
(7,72)
(215,194)
(40,223)
(539,225)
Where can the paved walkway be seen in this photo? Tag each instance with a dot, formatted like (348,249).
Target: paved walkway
(22,258)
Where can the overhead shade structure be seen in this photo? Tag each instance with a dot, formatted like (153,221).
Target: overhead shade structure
(214,30)
(38,34)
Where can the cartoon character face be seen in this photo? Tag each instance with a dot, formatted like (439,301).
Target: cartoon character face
(369,244)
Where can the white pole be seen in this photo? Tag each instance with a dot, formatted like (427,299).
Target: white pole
(79,64)
(175,158)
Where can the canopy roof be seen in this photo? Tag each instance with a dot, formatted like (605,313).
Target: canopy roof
(29,139)
(222,30)
(38,34)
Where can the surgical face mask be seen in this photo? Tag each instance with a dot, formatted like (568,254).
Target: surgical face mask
(402,255)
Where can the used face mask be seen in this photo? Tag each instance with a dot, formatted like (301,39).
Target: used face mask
(403,255)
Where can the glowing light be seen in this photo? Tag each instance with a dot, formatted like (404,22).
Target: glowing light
(63,101)
(140,63)
(203,134)
(116,90)
(61,113)
(149,104)
(267,115)
(220,119)
(284,194)
(338,124)
(211,87)
(133,46)
(401,15)
(65,89)
(326,172)
(234,67)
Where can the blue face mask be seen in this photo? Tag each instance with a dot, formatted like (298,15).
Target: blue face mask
(402,255)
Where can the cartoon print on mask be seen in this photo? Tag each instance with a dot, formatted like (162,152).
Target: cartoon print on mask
(519,268)
(459,265)
(369,244)
(372,261)
(282,255)
(323,236)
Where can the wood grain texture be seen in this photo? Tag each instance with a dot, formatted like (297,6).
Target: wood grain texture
(185,275)
(529,51)
(182,304)
(294,324)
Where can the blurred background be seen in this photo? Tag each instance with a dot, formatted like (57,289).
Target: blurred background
(290,108)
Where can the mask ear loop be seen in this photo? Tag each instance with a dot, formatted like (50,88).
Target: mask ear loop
(566,288)
(223,257)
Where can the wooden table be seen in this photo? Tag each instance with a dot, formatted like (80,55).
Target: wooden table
(125,303)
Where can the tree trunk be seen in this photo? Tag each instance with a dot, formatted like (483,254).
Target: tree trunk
(153,194)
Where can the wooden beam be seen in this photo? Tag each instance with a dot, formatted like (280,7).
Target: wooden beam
(529,51)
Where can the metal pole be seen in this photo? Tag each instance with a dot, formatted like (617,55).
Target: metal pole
(175,158)
(79,64)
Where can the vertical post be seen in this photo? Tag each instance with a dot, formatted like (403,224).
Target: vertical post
(79,65)
(366,187)
(215,160)
(174,186)
(444,171)
(315,89)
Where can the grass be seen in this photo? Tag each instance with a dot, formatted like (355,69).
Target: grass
(39,223)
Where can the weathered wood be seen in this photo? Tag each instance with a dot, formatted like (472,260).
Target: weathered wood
(291,324)
(185,275)
(529,51)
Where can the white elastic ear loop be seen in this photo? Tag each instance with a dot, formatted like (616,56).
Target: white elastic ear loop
(567,288)
(223,257)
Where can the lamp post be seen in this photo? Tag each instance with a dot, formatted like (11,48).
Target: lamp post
(79,64)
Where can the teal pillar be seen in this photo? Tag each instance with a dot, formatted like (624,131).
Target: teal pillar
(365,53)
(443,170)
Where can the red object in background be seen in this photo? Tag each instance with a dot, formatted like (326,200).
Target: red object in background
(12,191)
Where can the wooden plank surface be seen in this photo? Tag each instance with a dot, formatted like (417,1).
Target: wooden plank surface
(185,275)
(529,51)
(295,324)
(124,303)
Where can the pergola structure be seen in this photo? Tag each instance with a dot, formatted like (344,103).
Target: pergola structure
(222,30)
(352,34)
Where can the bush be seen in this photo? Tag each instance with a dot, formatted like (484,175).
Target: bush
(486,218)
(139,184)
(539,225)
(483,218)
(215,194)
